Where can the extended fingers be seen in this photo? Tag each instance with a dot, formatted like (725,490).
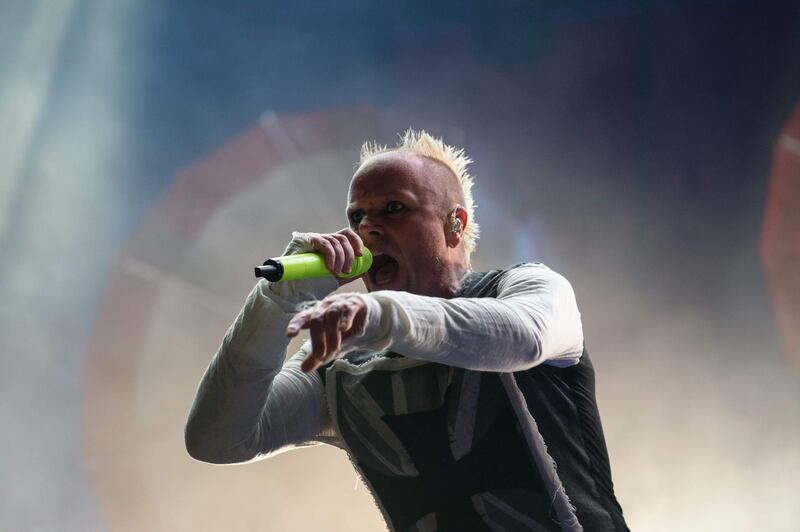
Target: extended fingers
(329,323)
(314,322)
(299,321)
(325,342)
(318,338)
(356,320)
(333,334)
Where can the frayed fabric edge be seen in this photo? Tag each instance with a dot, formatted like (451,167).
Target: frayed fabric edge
(564,509)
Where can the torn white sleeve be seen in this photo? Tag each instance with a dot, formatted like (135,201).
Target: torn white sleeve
(534,319)
(296,412)
(249,404)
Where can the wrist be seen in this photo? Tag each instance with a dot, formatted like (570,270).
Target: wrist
(289,294)
(374,335)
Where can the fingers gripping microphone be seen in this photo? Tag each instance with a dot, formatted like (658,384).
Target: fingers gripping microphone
(308,266)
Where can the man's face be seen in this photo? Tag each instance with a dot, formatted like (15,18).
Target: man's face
(396,205)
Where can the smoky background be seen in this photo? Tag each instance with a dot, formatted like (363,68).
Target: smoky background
(153,152)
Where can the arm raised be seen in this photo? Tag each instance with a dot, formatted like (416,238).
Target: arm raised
(534,319)
(249,404)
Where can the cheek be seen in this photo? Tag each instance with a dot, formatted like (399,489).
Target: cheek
(423,255)
(420,245)
(431,233)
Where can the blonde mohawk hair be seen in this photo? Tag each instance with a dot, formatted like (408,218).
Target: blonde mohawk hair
(426,145)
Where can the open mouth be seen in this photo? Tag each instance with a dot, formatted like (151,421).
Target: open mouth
(384,269)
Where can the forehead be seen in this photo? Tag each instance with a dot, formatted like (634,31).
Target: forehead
(397,173)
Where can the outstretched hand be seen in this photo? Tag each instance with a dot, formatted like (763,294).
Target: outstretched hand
(330,322)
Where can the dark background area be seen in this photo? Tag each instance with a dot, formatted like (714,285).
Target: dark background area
(629,143)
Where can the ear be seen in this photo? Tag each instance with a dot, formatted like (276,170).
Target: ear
(456,223)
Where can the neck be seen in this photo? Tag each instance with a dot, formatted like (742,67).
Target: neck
(451,280)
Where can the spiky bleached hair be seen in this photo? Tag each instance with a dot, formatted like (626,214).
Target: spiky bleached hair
(426,145)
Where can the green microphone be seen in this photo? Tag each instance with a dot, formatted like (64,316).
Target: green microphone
(308,266)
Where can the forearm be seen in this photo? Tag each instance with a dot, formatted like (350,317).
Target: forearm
(243,401)
(225,424)
(534,319)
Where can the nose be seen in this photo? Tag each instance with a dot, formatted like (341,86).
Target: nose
(368,226)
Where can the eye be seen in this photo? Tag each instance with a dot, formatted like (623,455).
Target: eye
(356,217)
(394,207)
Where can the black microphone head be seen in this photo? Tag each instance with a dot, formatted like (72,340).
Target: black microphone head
(271,270)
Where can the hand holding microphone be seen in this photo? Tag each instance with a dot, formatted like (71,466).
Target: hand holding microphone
(311,255)
(337,317)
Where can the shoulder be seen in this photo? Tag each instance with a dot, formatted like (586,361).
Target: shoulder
(531,275)
(522,277)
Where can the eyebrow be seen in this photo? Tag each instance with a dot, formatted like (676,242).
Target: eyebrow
(402,195)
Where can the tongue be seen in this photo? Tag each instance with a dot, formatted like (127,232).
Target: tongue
(385,273)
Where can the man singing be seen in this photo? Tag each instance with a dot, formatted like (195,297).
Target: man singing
(465,400)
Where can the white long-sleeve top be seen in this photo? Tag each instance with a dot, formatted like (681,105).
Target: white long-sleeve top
(251,404)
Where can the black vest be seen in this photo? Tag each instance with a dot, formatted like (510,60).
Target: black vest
(448,449)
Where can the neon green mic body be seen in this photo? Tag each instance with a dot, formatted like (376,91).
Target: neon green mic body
(308,266)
